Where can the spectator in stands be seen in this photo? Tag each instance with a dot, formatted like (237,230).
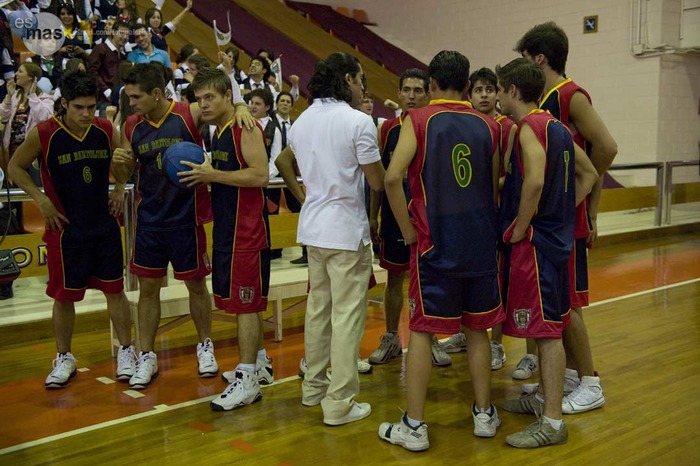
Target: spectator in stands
(104,62)
(127,12)
(233,53)
(146,52)
(258,73)
(103,31)
(186,52)
(106,9)
(77,40)
(154,21)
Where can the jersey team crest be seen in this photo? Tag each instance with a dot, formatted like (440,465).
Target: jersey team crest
(522,318)
(246,293)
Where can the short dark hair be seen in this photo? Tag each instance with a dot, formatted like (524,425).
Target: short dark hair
(277,99)
(549,40)
(328,80)
(140,26)
(414,73)
(75,84)
(525,75)
(265,95)
(450,70)
(265,65)
(212,78)
(199,60)
(119,24)
(147,76)
(186,51)
(485,75)
(270,53)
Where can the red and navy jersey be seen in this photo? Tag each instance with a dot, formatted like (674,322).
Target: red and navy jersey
(504,124)
(451,182)
(390,131)
(75,174)
(557,102)
(162,206)
(240,213)
(553,222)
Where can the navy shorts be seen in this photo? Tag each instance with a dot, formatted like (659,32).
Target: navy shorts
(185,249)
(578,273)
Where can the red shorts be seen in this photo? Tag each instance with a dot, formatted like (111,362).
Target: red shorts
(241,281)
(185,249)
(73,268)
(440,303)
(578,274)
(536,293)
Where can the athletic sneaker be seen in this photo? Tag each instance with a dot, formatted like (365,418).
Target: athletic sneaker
(126,363)
(206,360)
(526,367)
(485,424)
(146,371)
(363,366)
(538,434)
(440,358)
(263,369)
(244,390)
(63,371)
(586,397)
(400,433)
(302,368)
(389,348)
(498,356)
(455,344)
(528,404)
(357,411)
(571,381)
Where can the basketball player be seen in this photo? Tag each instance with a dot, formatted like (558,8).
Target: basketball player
(170,221)
(451,154)
(394,253)
(237,173)
(547,45)
(546,176)
(82,237)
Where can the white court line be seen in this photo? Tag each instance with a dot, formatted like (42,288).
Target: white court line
(164,408)
(156,410)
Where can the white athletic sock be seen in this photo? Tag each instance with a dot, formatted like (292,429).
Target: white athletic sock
(554,423)
(245,367)
(262,355)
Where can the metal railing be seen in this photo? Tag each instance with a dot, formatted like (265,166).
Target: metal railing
(668,184)
(660,168)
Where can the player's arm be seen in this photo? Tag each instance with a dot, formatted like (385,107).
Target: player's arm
(375,199)
(591,127)
(123,160)
(393,180)
(23,157)
(593,204)
(586,174)
(506,154)
(116,196)
(285,165)
(534,159)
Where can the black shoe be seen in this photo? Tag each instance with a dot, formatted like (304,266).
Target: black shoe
(6,291)
(303,260)
(275,254)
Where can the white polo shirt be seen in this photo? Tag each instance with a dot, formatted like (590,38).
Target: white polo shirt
(330,141)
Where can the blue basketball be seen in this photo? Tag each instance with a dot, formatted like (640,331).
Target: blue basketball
(171,158)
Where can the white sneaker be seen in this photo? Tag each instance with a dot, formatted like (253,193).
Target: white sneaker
(586,397)
(244,390)
(485,425)
(363,366)
(526,367)
(400,433)
(571,381)
(389,348)
(302,368)
(63,371)
(455,344)
(146,371)
(263,370)
(440,358)
(207,366)
(126,363)
(498,356)
(357,412)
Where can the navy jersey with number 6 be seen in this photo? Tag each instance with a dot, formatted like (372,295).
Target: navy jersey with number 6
(553,222)
(162,206)
(240,213)
(452,193)
(75,174)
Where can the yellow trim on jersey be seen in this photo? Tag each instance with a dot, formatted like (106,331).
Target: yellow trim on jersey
(75,136)
(448,101)
(162,119)
(544,99)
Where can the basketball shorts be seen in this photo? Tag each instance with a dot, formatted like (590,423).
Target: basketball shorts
(73,268)
(241,280)
(440,303)
(535,292)
(578,274)
(185,249)
(394,254)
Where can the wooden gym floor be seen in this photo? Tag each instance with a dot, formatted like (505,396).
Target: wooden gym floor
(645,334)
